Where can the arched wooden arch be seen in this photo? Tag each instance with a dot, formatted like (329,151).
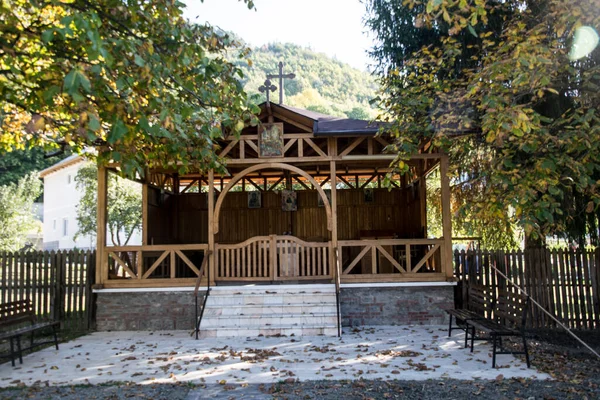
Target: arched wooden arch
(258,167)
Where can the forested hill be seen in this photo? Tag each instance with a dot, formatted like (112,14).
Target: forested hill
(322,84)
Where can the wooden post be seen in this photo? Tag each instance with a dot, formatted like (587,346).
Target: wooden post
(145,214)
(334,233)
(423,195)
(211,230)
(446,218)
(101,261)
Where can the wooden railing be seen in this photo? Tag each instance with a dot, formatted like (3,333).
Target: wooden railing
(155,262)
(274,257)
(391,260)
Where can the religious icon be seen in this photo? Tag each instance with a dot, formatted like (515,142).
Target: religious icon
(320,199)
(270,140)
(369,195)
(289,200)
(254,200)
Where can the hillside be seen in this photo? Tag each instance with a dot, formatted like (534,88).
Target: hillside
(322,84)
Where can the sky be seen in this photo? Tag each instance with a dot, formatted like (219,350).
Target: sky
(333,27)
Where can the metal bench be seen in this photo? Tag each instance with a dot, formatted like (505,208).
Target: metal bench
(17,319)
(509,319)
(477,305)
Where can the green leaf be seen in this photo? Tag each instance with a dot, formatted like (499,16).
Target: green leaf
(472,30)
(94,123)
(48,35)
(117,132)
(139,61)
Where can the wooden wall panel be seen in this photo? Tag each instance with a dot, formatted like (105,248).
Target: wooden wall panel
(184,218)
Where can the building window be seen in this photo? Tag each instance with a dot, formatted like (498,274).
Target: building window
(65,227)
(54,224)
(68,179)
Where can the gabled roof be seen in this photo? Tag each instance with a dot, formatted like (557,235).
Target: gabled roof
(327,125)
(74,159)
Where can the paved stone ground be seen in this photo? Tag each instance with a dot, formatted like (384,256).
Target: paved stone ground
(385,353)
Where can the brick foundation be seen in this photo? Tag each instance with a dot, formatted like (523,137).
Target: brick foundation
(145,311)
(155,310)
(395,305)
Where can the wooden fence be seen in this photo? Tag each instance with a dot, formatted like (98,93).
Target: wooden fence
(57,283)
(565,282)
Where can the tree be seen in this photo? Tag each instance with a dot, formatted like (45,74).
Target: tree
(124,205)
(18,163)
(16,212)
(134,79)
(502,93)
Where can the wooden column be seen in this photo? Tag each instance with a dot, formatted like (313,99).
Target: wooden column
(423,195)
(446,218)
(211,230)
(144,214)
(101,216)
(334,225)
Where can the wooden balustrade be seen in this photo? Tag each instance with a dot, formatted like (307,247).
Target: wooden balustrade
(391,260)
(266,258)
(157,263)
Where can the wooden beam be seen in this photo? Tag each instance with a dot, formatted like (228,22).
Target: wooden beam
(308,129)
(300,182)
(341,178)
(229,147)
(446,219)
(358,258)
(391,259)
(188,262)
(252,145)
(122,264)
(352,146)
(101,260)
(276,183)
(289,144)
(185,189)
(368,181)
(156,264)
(426,258)
(315,147)
(249,180)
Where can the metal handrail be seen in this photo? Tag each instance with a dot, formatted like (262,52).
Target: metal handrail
(198,281)
(337,289)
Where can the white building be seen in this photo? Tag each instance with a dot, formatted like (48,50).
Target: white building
(61,198)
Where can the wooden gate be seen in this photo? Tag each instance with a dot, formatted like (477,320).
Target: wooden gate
(273,258)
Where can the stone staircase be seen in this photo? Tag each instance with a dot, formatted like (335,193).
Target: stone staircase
(298,310)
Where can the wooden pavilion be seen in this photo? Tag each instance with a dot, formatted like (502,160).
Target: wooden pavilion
(303,200)
(356,230)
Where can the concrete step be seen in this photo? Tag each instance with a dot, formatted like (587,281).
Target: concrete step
(269,321)
(270,310)
(269,331)
(213,310)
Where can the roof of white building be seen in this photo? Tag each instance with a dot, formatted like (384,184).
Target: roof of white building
(71,160)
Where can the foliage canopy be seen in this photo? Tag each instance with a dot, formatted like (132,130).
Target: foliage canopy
(133,78)
(493,84)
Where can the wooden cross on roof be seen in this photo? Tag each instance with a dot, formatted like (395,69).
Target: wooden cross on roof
(280,76)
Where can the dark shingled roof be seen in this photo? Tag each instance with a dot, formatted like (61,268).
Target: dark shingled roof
(328,125)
